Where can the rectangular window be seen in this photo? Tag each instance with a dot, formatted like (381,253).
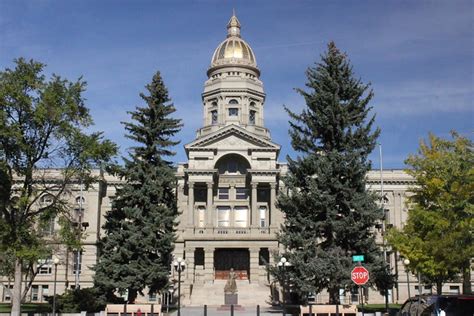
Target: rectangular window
(77,261)
(34,293)
(199,256)
(201,216)
(233,111)
(151,297)
(263,215)
(7,293)
(44,292)
(223,216)
(223,193)
(263,257)
(454,289)
(240,213)
(47,227)
(45,266)
(241,193)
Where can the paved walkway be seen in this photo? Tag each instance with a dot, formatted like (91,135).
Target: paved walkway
(212,311)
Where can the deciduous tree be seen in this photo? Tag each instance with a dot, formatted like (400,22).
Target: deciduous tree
(437,237)
(43,150)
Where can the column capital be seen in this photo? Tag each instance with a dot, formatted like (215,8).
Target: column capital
(209,249)
(254,185)
(210,184)
(273,185)
(190,184)
(189,249)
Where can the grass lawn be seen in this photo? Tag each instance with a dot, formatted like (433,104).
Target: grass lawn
(39,308)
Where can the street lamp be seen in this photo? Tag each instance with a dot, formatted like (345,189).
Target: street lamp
(406,262)
(179,266)
(56,262)
(283,264)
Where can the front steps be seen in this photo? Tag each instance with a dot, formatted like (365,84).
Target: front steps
(249,294)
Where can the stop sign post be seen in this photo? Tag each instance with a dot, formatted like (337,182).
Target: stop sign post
(360,275)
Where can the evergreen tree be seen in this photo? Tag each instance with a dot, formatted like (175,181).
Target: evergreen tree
(329,213)
(136,252)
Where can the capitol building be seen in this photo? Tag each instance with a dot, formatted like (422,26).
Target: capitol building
(226,193)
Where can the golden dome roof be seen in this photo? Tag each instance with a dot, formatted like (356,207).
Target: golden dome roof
(233,50)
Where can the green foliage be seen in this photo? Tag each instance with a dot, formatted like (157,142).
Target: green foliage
(437,237)
(79,300)
(42,126)
(136,251)
(329,213)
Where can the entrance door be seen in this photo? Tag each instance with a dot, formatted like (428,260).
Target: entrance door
(231,258)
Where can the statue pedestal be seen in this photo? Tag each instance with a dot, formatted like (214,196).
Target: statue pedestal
(230,299)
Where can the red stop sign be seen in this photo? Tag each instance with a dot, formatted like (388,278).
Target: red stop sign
(360,275)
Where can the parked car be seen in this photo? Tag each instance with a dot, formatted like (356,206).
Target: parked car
(435,305)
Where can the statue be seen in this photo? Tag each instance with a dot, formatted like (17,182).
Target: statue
(231,285)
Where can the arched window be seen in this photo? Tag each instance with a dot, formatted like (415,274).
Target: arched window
(47,199)
(252,117)
(233,101)
(252,104)
(232,164)
(80,200)
(214,117)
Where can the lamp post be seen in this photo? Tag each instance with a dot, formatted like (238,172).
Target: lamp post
(56,262)
(283,264)
(179,266)
(406,262)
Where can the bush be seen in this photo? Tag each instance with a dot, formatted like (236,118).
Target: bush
(77,300)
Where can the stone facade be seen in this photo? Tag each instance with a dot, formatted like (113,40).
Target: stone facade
(226,196)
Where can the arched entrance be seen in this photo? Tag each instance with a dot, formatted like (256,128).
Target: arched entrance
(232,258)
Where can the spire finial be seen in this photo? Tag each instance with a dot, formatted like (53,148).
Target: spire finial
(233,27)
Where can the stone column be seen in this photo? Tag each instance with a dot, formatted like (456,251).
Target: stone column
(191,203)
(254,211)
(254,267)
(232,197)
(209,264)
(273,212)
(210,204)
(190,273)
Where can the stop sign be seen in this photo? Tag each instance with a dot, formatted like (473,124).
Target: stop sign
(360,275)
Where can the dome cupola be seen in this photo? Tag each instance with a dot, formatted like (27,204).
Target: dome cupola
(233,51)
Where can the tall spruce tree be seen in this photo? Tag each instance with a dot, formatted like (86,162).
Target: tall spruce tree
(136,252)
(330,214)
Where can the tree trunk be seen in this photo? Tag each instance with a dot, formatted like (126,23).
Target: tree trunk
(439,287)
(466,281)
(16,293)
(132,295)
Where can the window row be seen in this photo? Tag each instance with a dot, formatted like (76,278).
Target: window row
(233,112)
(240,194)
(46,266)
(236,216)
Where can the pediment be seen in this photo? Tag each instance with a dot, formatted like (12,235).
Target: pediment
(232,137)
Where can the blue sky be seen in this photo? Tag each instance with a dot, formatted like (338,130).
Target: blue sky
(418,56)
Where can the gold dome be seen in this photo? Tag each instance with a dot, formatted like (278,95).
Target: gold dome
(233,50)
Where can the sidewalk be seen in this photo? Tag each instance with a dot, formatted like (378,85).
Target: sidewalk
(212,311)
